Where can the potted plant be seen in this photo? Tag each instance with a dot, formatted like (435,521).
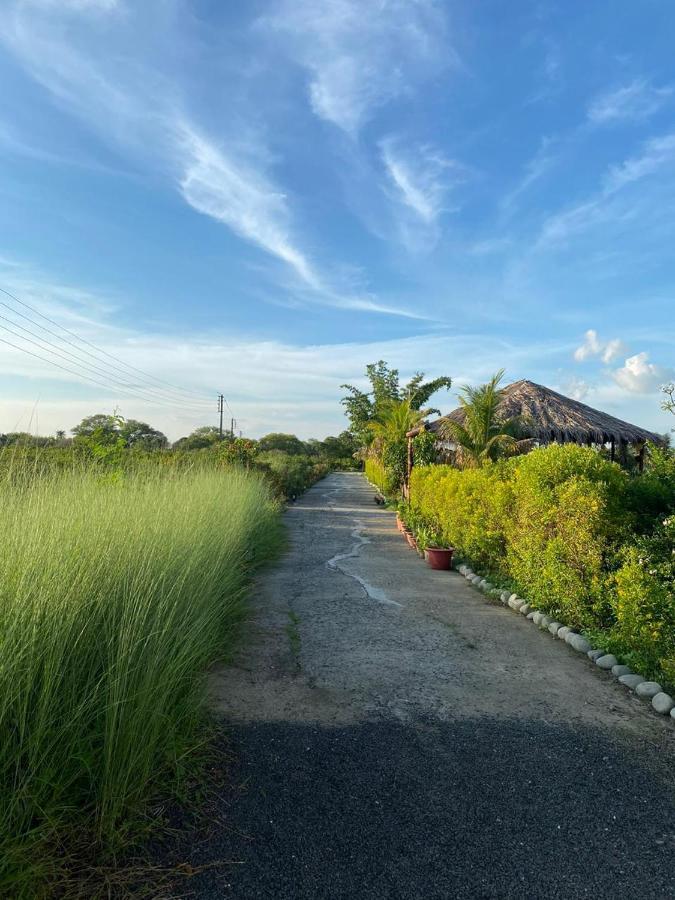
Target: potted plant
(438,555)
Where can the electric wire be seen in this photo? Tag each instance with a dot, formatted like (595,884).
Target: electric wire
(174,388)
(147,394)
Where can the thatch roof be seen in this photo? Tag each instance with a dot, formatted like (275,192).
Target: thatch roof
(549,416)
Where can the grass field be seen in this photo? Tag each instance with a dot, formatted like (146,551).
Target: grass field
(115,596)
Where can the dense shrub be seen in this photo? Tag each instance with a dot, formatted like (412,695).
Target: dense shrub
(289,474)
(565,530)
(377,474)
(643,603)
(468,507)
(564,526)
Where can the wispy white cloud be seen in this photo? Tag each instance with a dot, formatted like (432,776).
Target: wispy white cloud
(242,199)
(593,346)
(360,53)
(639,376)
(135,106)
(657,155)
(536,168)
(635,101)
(422,177)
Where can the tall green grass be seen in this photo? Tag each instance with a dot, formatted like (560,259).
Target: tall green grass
(115,596)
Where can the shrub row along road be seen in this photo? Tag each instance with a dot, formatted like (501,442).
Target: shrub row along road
(395,734)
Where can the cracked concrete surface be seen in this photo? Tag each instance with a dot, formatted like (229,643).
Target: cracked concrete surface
(391,733)
(381,635)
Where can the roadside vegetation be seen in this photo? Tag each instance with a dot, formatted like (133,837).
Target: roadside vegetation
(591,542)
(116,595)
(124,567)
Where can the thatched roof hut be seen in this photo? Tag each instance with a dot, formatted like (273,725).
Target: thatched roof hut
(548,416)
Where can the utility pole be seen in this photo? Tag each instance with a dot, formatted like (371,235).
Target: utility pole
(232,428)
(221,400)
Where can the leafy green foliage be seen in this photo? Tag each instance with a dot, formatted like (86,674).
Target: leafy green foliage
(560,525)
(644,603)
(291,475)
(199,439)
(364,407)
(101,429)
(483,437)
(288,443)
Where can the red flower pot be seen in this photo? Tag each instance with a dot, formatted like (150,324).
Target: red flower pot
(440,557)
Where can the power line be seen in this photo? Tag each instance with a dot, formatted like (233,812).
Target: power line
(166,395)
(58,365)
(142,392)
(174,388)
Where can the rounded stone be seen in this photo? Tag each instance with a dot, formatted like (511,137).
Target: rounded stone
(513,596)
(648,689)
(524,609)
(564,631)
(631,680)
(545,621)
(579,643)
(487,587)
(475,579)
(537,617)
(595,654)
(515,604)
(608,661)
(531,616)
(554,627)
(621,670)
(672,713)
(663,703)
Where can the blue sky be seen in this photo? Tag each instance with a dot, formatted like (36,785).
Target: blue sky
(261,198)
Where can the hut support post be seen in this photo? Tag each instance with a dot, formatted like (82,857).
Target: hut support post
(641,458)
(612,452)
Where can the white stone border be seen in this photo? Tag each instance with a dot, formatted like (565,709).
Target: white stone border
(648,690)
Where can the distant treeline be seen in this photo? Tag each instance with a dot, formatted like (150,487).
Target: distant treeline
(119,445)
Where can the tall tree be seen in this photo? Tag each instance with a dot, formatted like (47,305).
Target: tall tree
(200,438)
(289,443)
(483,436)
(364,407)
(109,429)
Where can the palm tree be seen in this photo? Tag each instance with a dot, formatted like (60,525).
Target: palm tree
(389,431)
(395,419)
(483,436)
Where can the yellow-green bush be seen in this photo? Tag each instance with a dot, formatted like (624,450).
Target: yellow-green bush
(377,474)
(559,526)
(467,507)
(567,524)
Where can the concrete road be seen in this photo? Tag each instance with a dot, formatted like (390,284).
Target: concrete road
(396,735)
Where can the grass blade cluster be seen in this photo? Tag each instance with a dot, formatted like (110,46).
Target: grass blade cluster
(115,596)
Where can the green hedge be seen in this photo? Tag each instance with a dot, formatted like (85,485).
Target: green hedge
(561,526)
(377,474)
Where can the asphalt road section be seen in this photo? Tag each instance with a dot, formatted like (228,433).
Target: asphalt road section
(395,734)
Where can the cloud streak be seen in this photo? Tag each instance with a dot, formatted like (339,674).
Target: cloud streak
(134,107)
(632,102)
(360,54)
(421,176)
